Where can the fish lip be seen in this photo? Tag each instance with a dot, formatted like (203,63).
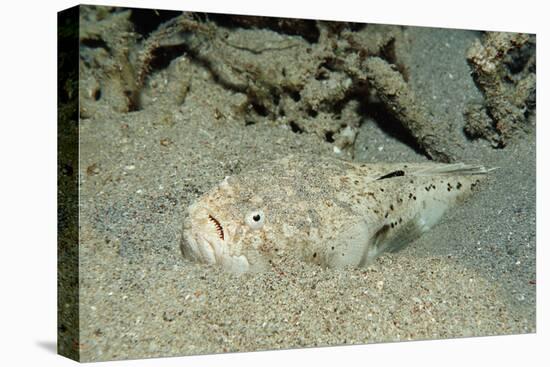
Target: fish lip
(207,250)
(220,255)
(214,253)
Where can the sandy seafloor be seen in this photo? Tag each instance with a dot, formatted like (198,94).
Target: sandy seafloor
(472,275)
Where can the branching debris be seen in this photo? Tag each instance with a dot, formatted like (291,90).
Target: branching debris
(106,71)
(319,92)
(504,68)
(400,102)
(310,76)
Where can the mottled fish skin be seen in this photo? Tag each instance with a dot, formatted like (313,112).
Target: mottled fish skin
(323,210)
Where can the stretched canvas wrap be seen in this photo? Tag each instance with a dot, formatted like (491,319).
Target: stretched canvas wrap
(233,183)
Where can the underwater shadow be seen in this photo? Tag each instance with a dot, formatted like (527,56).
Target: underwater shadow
(389,125)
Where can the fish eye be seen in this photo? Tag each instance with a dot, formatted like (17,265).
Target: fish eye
(255,219)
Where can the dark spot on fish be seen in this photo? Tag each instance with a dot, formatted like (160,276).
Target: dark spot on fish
(391,206)
(427,188)
(411,181)
(458,185)
(410,195)
(397,173)
(314,254)
(400,200)
(414,197)
(381,189)
(332,248)
(392,225)
(386,215)
(356,182)
(400,220)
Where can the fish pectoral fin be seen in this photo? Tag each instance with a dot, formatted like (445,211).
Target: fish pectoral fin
(406,234)
(387,239)
(348,248)
(357,247)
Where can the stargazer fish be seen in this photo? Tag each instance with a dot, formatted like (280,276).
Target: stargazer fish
(323,210)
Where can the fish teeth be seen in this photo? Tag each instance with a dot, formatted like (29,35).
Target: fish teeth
(218,226)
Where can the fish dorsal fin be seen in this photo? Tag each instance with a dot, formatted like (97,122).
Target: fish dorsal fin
(434,169)
(452,169)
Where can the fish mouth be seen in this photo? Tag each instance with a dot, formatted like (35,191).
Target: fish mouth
(203,237)
(206,240)
(218,226)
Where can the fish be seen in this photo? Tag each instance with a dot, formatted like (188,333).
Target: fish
(321,209)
